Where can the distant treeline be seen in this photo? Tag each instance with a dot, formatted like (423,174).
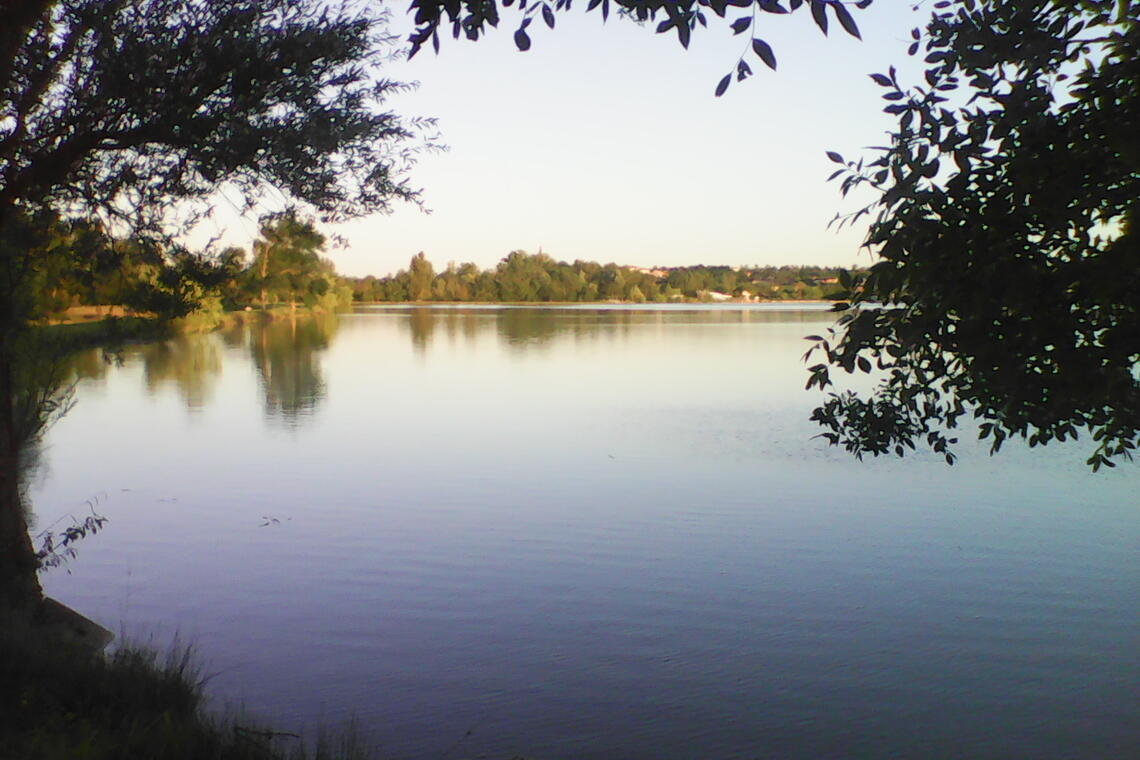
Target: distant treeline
(82,264)
(524,277)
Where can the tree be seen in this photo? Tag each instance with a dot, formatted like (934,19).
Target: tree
(286,258)
(471,18)
(121,109)
(142,102)
(1005,233)
(420,277)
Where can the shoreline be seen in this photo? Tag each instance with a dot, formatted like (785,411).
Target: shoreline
(595,304)
(112,329)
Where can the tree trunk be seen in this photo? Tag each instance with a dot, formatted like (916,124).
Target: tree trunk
(19,586)
(264,271)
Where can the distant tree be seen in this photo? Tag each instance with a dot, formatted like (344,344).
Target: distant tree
(80,263)
(420,277)
(286,258)
(611,283)
(76,263)
(486,288)
(1005,233)
(396,288)
(525,277)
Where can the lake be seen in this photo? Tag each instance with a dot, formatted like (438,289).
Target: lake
(591,533)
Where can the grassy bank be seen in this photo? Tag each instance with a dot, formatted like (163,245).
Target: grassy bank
(60,701)
(67,337)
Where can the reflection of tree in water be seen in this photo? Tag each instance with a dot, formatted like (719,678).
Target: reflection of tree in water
(36,383)
(90,364)
(515,326)
(526,328)
(191,363)
(286,354)
(530,326)
(421,324)
(234,336)
(284,351)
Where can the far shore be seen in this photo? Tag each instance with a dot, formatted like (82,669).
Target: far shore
(78,315)
(85,326)
(734,302)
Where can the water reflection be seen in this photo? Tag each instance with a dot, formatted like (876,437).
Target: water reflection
(527,327)
(286,354)
(421,324)
(189,363)
(603,534)
(286,358)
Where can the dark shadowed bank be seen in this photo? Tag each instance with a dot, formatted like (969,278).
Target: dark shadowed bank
(63,700)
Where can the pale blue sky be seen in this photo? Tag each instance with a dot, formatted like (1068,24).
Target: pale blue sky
(605,142)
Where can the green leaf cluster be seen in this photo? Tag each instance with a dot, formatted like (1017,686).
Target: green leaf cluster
(1005,235)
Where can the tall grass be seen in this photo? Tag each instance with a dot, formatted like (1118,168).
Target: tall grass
(59,702)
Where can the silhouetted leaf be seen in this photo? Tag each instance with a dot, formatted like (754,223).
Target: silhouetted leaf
(845,20)
(819,13)
(764,51)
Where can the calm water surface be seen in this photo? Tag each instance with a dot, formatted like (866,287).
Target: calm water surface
(591,533)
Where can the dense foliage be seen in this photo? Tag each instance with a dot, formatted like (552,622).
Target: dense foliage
(120,107)
(523,277)
(133,115)
(84,265)
(1005,231)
